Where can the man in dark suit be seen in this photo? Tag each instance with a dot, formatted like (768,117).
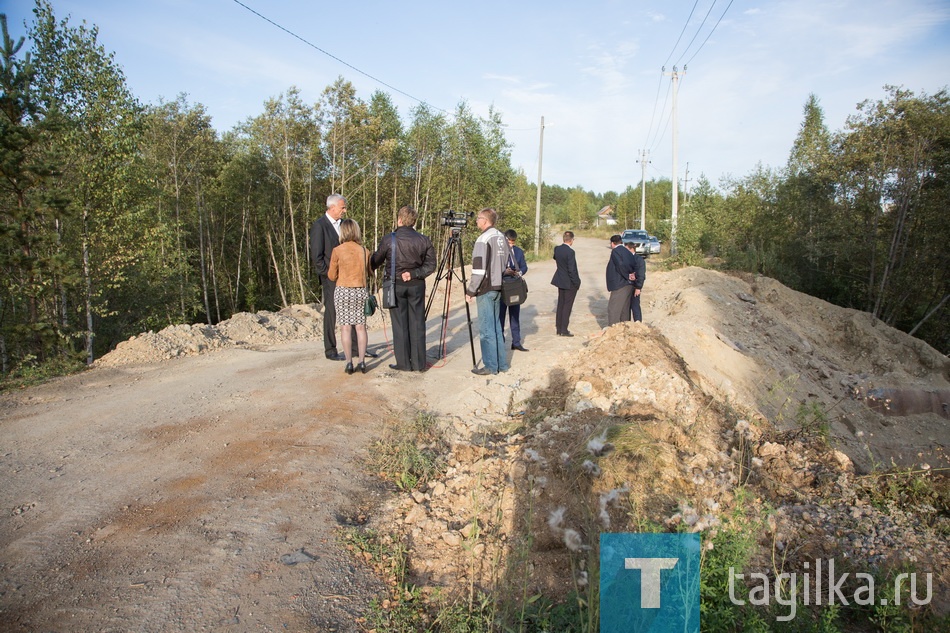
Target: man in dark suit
(567,281)
(324,237)
(638,277)
(517,266)
(620,268)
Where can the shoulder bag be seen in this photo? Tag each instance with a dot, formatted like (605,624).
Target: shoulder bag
(514,289)
(389,285)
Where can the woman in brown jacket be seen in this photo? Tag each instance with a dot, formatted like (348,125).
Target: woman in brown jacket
(349,263)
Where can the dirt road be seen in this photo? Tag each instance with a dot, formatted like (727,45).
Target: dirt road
(174,496)
(206,492)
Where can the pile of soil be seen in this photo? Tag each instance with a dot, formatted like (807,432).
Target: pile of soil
(250,330)
(629,435)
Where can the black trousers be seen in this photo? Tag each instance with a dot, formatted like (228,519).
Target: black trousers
(409,325)
(565,303)
(635,308)
(329,316)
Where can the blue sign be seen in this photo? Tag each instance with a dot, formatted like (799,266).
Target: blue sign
(649,582)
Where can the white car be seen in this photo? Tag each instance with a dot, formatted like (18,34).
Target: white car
(654,245)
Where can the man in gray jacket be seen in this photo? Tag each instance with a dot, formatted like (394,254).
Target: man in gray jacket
(489,260)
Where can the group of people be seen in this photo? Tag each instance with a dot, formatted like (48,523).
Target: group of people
(408,257)
(626,274)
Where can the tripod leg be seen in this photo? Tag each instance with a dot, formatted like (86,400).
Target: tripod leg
(468,310)
(438,278)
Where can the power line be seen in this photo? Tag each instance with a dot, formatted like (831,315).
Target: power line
(656,100)
(681,34)
(332,56)
(698,29)
(710,34)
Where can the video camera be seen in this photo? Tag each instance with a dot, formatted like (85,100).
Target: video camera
(456,219)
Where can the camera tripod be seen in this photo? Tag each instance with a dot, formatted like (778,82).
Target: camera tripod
(451,255)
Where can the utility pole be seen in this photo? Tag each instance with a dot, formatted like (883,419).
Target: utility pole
(643,188)
(673,250)
(537,205)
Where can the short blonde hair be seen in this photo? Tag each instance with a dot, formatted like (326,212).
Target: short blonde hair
(350,231)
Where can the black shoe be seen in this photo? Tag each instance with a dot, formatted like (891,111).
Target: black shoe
(370,354)
(520,348)
(336,357)
(482,371)
(398,368)
(349,368)
(565,333)
(361,368)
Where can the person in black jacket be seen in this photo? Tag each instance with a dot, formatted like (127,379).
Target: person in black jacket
(567,281)
(414,258)
(638,279)
(620,268)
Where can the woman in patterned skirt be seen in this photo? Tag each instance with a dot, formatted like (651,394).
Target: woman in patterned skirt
(348,265)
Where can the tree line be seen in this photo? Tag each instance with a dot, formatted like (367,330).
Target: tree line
(118,217)
(859,217)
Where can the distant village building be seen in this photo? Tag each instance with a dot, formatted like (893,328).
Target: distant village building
(605,217)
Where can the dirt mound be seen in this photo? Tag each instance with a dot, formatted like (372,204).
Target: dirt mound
(254,331)
(524,511)
(777,354)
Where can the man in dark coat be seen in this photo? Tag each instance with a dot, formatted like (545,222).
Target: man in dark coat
(638,279)
(620,268)
(413,259)
(567,281)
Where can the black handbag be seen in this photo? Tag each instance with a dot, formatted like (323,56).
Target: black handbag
(389,285)
(514,290)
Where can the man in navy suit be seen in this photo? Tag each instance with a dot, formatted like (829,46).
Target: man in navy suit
(567,281)
(518,266)
(620,268)
(638,278)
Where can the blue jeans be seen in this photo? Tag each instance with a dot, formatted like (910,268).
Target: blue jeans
(491,337)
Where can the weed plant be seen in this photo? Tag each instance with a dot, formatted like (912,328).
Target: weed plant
(31,372)
(410,453)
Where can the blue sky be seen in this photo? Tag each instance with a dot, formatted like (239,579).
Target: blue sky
(591,69)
